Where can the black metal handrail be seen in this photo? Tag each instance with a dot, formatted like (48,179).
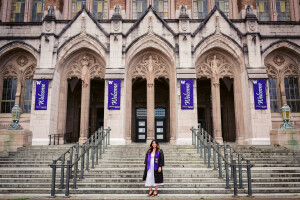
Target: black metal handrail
(204,143)
(55,138)
(97,144)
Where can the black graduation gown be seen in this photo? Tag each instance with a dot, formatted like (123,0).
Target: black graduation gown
(158,176)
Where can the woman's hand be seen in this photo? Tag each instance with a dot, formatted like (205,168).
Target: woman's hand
(159,169)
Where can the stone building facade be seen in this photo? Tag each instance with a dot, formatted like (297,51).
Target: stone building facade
(151,46)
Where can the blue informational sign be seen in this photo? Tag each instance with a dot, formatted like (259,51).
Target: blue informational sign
(259,88)
(114,93)
(41,94)
(187,94)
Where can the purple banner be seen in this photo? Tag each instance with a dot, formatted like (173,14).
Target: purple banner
(259,88)
(187,94)
(41,94)
(114,93)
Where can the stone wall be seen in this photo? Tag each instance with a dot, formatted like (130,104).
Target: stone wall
(58,3)
(243,3)
(121,3)
(183,2)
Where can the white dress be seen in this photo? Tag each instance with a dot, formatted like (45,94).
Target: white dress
(150,180)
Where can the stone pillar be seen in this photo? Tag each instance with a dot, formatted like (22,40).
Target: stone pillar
(216,108)
(85,101)
(150,111)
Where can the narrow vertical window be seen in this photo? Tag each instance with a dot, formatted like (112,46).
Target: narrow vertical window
(161,7)
(200,9)
(27,96)
(138,7)
(223,5)
(292,93)
(262,7)
(273,95)
(17,10)
(77,5)
(37,10)
(8,95)
(100,9)
(283,10)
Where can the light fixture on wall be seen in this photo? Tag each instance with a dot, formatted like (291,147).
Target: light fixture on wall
(16,111)
(286,116)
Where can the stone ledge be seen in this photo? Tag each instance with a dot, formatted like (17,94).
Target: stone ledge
(286,137)
(10,140)
(44,74)
(193,76)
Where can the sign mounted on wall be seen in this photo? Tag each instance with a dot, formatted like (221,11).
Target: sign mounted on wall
(114,93)
(41,94)
(187,94)
(259,89)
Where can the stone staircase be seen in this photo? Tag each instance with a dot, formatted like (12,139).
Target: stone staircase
(119,174)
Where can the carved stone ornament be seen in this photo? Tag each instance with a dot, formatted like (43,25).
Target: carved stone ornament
(116,25)
(10,71)
(150,66)
(272,71)
(252,25)
(22,60)
(48,26)
(184,25)
(215,66)
(278,60)
(291,71)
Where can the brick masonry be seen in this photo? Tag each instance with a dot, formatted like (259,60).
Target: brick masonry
(243,3)
(58,3)
(113,3)
(183,2)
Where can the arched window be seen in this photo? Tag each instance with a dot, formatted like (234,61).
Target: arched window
(223,5)
(138,7)
(200,9)
(292,93)
(77,5)
(100,9)
(273,95)
(17,10)
(8,94)
(162,8)
(283,10)
(262,7)
(37,10)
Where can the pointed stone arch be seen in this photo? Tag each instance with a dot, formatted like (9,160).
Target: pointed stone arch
(150,49)
(217,63)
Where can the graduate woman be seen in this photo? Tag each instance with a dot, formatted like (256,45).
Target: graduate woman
(153,174)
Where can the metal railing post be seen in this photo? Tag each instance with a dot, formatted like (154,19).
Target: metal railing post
(53,179)
(198,141)
(97,149)
(93,155)
(62,172)
(227,172)
(82,163)
(205,145)
(234,178)
(69,166)
(231,159)
(75,172)
(249,179)
(209,151)
(219,163)
(87,157)
(240,173)
(100,144)
(193,136)
(201,143)
(108,136)
(214,156)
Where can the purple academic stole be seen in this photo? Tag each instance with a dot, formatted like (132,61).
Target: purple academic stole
(155,160)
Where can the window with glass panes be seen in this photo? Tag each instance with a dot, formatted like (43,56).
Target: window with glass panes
(8,95)
(273,95)
(283,10)
(138,7)
(223,5)
(100,9)
(200,9)
(292,93)
(27,96)
(17,10)
(37,10)
(262,7)
(161,7)
(76,6)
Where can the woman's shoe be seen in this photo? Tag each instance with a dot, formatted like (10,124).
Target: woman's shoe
(154,193)
(150,193)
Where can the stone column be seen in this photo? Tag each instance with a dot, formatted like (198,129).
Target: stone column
(216,108)
(85,101)
(150,101)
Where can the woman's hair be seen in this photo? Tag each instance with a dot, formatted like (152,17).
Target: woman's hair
(151,148)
